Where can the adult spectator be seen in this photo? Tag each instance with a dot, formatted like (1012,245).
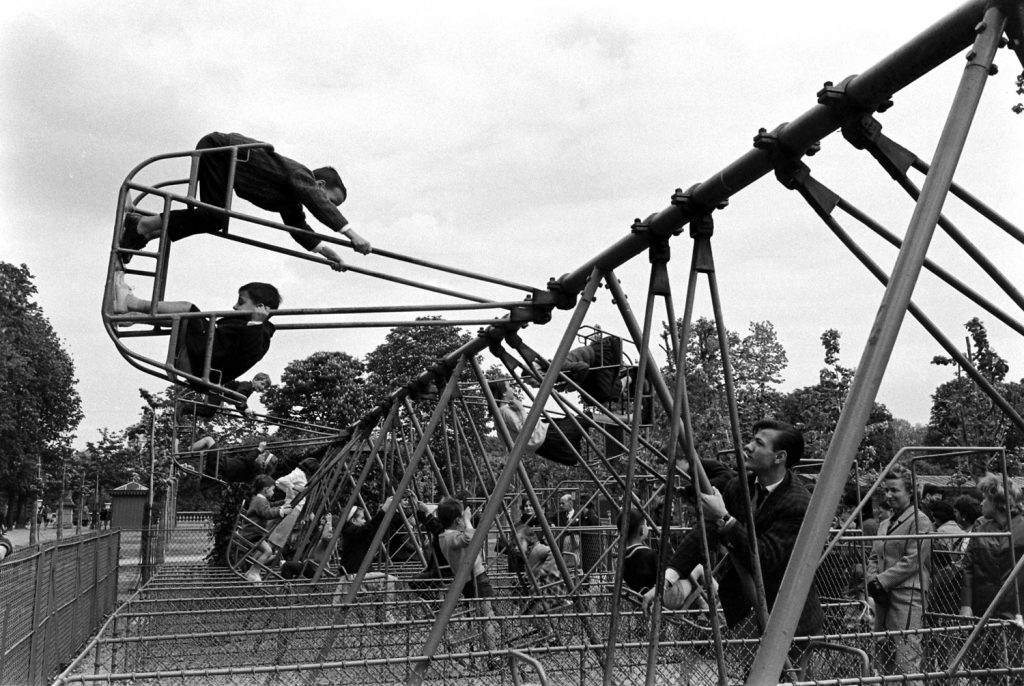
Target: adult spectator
(944,521)
(988,561)
(968,516)
(898,576)
(947,567)
(987,566)
(780,502)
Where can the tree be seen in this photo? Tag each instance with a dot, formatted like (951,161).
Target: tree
(41,406)
(962,414)
(817,408)
(409,350)
(757,360)
(405,354)
(326,388)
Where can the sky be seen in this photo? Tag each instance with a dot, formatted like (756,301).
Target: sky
(514,139)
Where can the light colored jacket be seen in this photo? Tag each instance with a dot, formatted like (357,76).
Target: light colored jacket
(902,562)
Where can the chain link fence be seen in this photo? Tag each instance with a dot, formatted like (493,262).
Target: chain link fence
(52,598)
(200,625)
(191,623)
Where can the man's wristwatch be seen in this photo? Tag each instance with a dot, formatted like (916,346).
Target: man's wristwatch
(724,521)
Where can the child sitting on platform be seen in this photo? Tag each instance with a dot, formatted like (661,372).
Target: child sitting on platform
(229,466)
(238,342)
(559,445)
(261,517)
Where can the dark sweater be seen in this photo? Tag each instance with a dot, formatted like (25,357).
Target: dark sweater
(279,184)
(237,346)
(355,542)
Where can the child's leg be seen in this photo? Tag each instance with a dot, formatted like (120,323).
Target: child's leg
(204,443)
(125,300)
(265,552)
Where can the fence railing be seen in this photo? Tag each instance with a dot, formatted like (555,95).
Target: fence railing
(194,517)
(52,600)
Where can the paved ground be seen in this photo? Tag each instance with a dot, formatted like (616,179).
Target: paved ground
(19,537)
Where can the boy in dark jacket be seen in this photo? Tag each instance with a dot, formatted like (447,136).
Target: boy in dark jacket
(266,179)
(239,342)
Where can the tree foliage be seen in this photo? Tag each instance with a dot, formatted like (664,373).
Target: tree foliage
(962,414)
(757,359)
(326,388)
(405,353)
(817,409)
(41,407)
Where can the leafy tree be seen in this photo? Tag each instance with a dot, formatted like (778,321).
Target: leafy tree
(326,388)
(817,409)
(409,350)
(962,414)
(757,359)
(907,434)
(41,406)
(404,355)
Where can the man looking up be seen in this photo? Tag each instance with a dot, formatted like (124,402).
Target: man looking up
(779,500)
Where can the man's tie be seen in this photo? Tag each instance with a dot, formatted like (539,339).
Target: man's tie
(760,493)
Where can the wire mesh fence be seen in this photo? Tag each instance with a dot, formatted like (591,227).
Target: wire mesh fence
(194,624)
(51,600)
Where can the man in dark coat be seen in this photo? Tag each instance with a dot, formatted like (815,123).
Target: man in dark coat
(780,502)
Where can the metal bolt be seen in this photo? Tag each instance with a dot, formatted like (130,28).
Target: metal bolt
(980,28)
(993,70)
(971,55)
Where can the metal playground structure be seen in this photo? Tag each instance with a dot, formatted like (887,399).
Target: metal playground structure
(383,623)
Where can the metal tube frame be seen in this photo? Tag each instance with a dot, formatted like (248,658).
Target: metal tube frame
(800,572)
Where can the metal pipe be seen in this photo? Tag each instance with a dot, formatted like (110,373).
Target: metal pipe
(975,203)
(959,238)
(956,283)
(679,400)
(778,635)
(811,190)
(868,90)
(356,580)
(490,512)
(352,268)
(388,324)
(658,275)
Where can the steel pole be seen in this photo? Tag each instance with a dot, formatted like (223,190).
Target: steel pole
(491,510)
(867,91)
(778,635)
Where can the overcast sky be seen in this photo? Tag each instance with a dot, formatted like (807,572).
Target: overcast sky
(513,139)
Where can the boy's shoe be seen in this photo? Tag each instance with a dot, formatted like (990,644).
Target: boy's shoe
(131,239)
(254,576)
